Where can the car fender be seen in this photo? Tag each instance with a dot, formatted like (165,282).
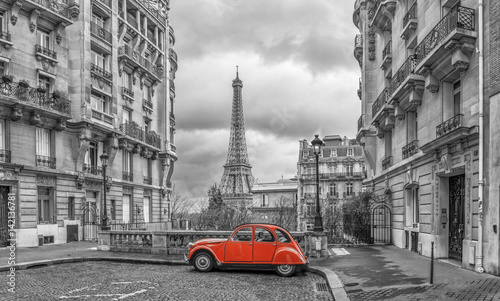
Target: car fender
(203,248)
(288,255)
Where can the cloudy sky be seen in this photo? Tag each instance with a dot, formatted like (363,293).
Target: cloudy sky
(299,76)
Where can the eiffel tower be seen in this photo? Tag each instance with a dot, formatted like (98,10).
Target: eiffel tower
(237,180)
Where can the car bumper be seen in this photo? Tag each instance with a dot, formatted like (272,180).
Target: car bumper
(186,258)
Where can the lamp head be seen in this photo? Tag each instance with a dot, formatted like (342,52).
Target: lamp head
(104,159)
(317,143)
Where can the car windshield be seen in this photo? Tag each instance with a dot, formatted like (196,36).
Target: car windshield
(282,236)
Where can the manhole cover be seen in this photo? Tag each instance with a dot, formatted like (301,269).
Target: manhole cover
(321,287)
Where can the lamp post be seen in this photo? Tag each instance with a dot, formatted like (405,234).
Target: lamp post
(104,162)
(318,222)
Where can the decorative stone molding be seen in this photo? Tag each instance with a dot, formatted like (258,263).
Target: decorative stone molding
(14,12)
(399,113)
(8,174)
(431,83)
(46,181)
(74,9)
(80,180)
(371,44)
(59,30)
(92,185)
(122,144)
(137,149)
(61,125)
(16,113)
(136,73)
(34,18)
(36,119)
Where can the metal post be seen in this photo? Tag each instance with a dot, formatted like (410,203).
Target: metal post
(318,223)
(432,262)
(104,225)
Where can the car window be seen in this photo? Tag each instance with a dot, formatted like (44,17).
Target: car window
(262,234)
(282,236)
(244,234)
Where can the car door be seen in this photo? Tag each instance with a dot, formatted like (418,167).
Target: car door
(239,246)
(264,245)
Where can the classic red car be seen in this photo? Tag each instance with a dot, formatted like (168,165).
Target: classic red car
(260,246)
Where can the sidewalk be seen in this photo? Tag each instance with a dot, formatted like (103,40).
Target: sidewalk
(391,273)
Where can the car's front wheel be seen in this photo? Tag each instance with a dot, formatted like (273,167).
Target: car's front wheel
(285,270)
(203,262)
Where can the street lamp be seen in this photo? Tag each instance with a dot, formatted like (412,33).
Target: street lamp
(104,162)
(318,222)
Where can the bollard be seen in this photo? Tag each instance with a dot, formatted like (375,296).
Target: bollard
(432,262)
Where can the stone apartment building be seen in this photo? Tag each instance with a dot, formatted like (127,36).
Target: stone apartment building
(341,175)
(80,78)
(428,122)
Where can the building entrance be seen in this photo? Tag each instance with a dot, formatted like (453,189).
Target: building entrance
(456,217)
(4,216)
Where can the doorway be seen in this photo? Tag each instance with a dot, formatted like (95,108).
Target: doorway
(456,216)
(4,216)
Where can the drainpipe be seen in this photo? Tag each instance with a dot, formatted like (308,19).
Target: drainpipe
(479,262)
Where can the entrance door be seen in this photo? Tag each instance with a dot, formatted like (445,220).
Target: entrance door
(456,217)
(4,219)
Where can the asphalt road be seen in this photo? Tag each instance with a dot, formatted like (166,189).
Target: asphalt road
(121,281)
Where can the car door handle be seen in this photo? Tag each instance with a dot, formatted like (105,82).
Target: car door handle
(250,243)
(274,244)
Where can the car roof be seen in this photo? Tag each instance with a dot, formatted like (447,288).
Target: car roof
(263,225)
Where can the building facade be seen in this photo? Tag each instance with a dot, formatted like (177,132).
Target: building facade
(426,124)
(80,78)
(341,175)
(276,203)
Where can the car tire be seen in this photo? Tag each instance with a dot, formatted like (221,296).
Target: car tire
(203,262)
(285,270)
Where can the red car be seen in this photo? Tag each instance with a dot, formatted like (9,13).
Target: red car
(260,246)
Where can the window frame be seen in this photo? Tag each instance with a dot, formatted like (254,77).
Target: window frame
(46,211)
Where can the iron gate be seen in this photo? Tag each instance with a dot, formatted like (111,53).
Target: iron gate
(381,224)
(90,220)
(456,217)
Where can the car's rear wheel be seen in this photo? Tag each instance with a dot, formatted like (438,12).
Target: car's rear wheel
(285,270)
(203,262)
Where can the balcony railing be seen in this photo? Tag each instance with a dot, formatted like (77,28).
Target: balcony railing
(154,10)
(92,169)
(172,56)
(153,139)
(101,32)
(128,93)
(403,73)
(147,103)
(387,51)
(4,155)
(46,52)
(135,58)
(411,14)
(458,17)
(133,130)
(101,72)
(45,161)
(360,122)
(171,34)
(127,176)
(147,180)
(410,149)
(58,7)
(36,97)
(386,163)
(106,2)
(449,125)
(5,36)
(380,102)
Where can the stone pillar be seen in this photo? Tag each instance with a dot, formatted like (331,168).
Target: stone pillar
(316,245)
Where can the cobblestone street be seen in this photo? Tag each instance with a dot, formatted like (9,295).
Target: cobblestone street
(120,281)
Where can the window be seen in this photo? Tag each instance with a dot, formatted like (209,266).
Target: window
(99,102)
(411,126)
(3,68)
(42,142)
(457,102)
(99,59)
(127,115)
(146,169)
(2,135)
(333,153)
(126,208)
(244,234)
(91,212)
(415,206)
(348,187)
(127,165)
(71,208)
(265,200)
(3,22)
(92,155)
(282,236)
(305,154)
(44,39)
(263,235)
(147,126)
(146,207)
(349,169)
(350,152)
(147,92)
(98,20)
(127,80)
(333,189)
(310,209)
(46,206)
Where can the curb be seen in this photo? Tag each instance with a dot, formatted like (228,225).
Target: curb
(49,262)
(334,283)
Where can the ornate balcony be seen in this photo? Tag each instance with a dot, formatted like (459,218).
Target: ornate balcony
(34,98)
(153,139)
(127,94)
(139,142)
(405,78)
(96,70)
(134,59)
(172,56)
(156,10)
(386,163)
(409,22)
(449,125)
(92,169)
(147,106)
(381,106)
(43,53)
(449,44)
(101,33)
(147,180)
(102,116)
(387,56)
(410,149)
(127,176)
(57,11)
(383,14)
(360,89)
(360,122)
(171,35)
(5,156)
(172,88)
(358,48)
(5,39)
(44,161)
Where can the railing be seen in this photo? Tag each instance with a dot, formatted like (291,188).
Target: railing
(449,125)
(45,161)
(36,96)
(127,176)
(173,147)
(5,36)
(147,180)
(132,129)
(403,73)
(360,122)
(127,92)
(386,163)
(59,7)
(45,51)
(153,139)
(410,149)
(379,103)
(358,41)
(411,14)
(106,2)
(134,56)
(458,17)
(155,11)
(147,103)
(101,72)
(101,32)
(172,85)
(387,50)
(5,156)
(171,33)
(92,169)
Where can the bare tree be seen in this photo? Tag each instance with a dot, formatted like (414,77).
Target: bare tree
(180,206)
(286,212)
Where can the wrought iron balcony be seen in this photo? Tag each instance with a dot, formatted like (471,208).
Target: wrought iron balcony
(171,35)
(133,130)
(43,53)
(386,163)
(360,122)
(147,105)
(153,139)
(360,89)
(101,72)
(5,39)
(127,176)
(45,161)
(128,93)
(37,97)
(5,156)
(147,180)
(172,56)
(155,11)
(459,18)
(358,48)
(409,22)
(92,169)
(136,60)
(54,10)
(449,125)
(100,32)
(411,14)
(173,147)
(387,55)
(403,73)
(410,149)
(379,103)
